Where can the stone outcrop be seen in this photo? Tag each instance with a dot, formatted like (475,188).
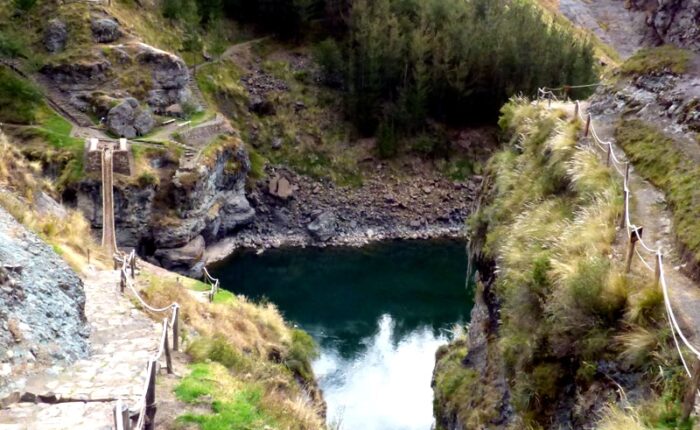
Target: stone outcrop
(105,30)
(42,301)
(673,21)
(170,222)
(323,227)
(129,120)
(55,36)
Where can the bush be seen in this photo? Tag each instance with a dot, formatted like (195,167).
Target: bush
(387,141)
(19,99)
(329,57)
(302,351)
(665,58)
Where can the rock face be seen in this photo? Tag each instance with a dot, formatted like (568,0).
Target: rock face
(127,119)
(55,36)
(171,222)
(42,303)
(105,30)
(673,21)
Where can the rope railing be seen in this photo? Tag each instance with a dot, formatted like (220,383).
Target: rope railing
(213,283)
(634,234)
(146,407)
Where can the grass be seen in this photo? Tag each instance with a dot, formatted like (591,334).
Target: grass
(650,61)
(564,304)
(658,159)
(248,364)
(70,234)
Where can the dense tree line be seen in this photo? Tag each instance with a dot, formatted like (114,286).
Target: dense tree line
(454,60)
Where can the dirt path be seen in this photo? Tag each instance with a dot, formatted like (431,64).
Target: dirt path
(649,210)
(609,20)
(122,339)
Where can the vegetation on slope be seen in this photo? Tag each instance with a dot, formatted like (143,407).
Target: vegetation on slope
(650,61)
(24,196)
(249,368)
(562,296)
(659,160)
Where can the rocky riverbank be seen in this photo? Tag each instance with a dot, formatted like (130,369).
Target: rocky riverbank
(294,210)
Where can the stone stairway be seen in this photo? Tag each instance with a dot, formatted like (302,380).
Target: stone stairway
(82,395)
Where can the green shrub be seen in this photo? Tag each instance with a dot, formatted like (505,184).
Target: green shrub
(665,58)
(387,141)
(330,58)
(19,99)
(217,349)
(10,46)
(302,351)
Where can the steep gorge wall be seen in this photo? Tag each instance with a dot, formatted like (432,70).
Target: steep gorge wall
(673,21)
(170,221)
(42,319)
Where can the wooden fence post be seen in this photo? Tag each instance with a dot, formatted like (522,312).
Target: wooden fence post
(657,269)
(122,281)
(635,235)
(88,255)
(588,125)
(166,348)
(121,416)
(150,422)
(691,392)
(176,328)
(133,266)
(607,161)
(623,220)
(627,174)
(576,112)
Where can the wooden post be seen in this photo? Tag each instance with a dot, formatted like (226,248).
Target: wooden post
(607,161)
(121,416)
(635,235)
(691,392)
(627,173)
(166,348)
(150,422)
(176,328)
(623,220)
(122,281)
(657,269)
(88,255)
(576,107)
(549,103)
(588,125)
(133,266)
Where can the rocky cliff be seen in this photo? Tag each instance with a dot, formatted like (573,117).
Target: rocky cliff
(672,21)
(170,219)
(42,318)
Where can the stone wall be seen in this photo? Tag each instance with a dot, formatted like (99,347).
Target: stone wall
(121,158)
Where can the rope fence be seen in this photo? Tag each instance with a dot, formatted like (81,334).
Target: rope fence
(144,410)
(634,234)
(213,283)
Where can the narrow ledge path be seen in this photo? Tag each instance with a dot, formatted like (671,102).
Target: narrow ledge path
(650,210)
(122,339)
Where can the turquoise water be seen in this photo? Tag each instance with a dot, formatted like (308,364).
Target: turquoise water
(378,314)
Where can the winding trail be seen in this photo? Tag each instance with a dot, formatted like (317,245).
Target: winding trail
(649,209)
(121,340)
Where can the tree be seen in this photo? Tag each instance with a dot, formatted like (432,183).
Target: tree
(192,43)
(24,5)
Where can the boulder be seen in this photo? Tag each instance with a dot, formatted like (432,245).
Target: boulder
(184,257)
(280,187)
(169,71)
(174,110)
(261,106)
(105,30)
(55,35)
(323,227)
(128,120)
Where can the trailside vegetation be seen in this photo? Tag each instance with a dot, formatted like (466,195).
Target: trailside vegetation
(569,316)
(659,159)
